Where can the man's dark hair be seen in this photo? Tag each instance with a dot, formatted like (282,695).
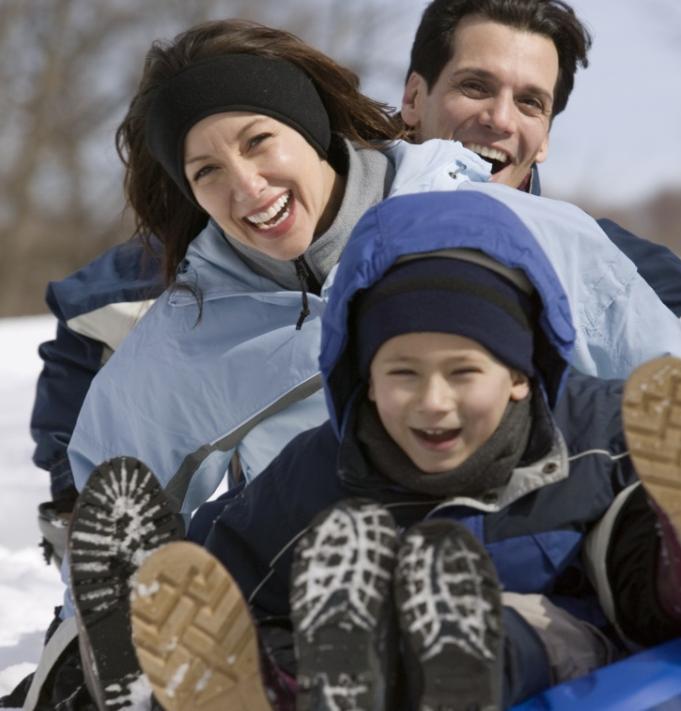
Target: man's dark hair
(555,19)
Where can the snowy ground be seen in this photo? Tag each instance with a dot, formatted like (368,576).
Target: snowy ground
(29,589)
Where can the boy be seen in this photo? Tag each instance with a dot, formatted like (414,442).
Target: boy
(386,535)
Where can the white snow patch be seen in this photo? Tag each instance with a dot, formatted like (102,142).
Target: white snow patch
(29,589)
(176,679)
(141,590)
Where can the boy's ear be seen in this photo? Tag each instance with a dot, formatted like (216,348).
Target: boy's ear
(520,385)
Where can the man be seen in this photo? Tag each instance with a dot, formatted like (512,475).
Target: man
(493,75)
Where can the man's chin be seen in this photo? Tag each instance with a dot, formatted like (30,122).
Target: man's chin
(504,177)
(508,176)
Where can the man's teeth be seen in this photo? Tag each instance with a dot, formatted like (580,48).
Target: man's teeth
(260,219)
(487,152)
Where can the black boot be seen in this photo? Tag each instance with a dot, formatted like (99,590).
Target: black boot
(449,609)
(121,516)
(341,608)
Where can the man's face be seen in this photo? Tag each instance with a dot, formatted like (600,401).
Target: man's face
(495,95)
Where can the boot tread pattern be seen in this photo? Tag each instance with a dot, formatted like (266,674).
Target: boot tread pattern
(449,607)
(651,411)
(446,597)
(342,570)
(121,515)
(341,584)
(193,633)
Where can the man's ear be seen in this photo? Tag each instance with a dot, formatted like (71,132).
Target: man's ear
(414,92)
(543,152)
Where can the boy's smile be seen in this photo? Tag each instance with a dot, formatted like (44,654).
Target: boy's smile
(440,396)
(436,438)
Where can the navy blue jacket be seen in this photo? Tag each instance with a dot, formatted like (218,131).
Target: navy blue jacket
(124,277)
(536,541)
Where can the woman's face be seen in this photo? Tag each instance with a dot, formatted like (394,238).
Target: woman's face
(261,181)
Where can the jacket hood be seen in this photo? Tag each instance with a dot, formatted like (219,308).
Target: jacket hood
(429,222)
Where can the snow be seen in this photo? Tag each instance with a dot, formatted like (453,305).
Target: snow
(29,589)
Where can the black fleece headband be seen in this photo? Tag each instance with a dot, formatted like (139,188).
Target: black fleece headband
(232,82)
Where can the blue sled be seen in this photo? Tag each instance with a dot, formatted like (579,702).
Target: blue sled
(645,681)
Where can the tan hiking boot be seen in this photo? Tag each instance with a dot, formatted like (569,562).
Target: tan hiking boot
(651,411)
(193,633)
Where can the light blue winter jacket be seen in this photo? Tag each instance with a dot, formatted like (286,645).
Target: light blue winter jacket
(183,395)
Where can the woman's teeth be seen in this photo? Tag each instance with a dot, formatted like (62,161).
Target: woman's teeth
(275,214)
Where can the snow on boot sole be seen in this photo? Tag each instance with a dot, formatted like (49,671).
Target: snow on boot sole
(651,411)
(193,633)
(449,611)
(341,608)
(121,516)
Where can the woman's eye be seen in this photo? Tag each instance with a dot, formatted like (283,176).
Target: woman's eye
(402,372)
(255,141)
(203,172)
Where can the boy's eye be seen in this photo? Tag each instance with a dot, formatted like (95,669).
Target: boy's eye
(470,370)
(401,371)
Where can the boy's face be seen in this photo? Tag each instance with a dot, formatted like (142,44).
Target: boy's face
(441,396)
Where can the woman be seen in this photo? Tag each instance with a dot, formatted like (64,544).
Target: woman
(277,153)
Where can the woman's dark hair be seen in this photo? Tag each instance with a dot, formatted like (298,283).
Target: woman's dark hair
(159,205)
(555,19)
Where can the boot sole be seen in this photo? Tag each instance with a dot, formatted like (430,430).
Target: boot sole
(341,608)
(651,411)
(121,516)
(449,610)
(193,633)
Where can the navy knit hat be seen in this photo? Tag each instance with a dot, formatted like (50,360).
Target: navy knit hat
(447,295)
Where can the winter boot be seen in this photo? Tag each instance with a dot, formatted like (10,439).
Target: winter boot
(122,515)
(651,411)
(652,424)
(449,610)
(341,609)
(193,633)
